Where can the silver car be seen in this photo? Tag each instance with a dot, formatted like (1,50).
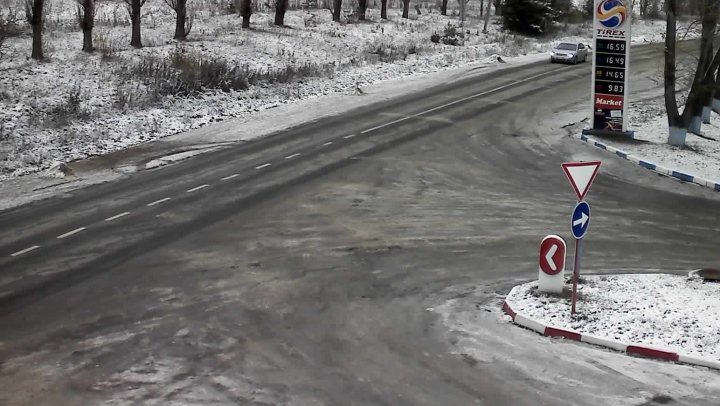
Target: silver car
(572,52)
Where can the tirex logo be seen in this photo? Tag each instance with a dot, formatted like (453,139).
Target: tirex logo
(611,13)
(603,101)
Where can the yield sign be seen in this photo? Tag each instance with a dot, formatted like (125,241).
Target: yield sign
(581,176)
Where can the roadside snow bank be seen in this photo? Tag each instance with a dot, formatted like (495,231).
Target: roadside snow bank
(663,311)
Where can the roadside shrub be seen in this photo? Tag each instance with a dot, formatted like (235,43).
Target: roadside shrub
(187,74)
(450,36)
(70,108)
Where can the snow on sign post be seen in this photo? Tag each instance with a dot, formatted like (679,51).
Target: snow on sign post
(611,66)
(581,176)
(551,275)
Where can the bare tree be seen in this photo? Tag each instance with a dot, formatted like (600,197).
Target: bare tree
(443,7)
(8,27)
(86,20)
(498,7)
(487,17)
(362,9)
(337,9)
(383,9)
(134,8)
(406,9)
(281,7)
(246,11)
(36,19)
(697,97)
(183,21)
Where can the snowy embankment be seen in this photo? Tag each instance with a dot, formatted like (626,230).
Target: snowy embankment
(76,105)
(668,312)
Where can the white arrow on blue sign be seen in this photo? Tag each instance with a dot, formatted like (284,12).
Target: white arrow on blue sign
(580,220)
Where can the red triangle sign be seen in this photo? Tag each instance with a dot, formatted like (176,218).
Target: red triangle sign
(581,176)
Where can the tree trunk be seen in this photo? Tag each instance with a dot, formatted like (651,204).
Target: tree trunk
(498,7)
(487,17)
(362,8)
(280,10)
(677,131)
(87,41)
(135,40)
(35,18)
(337,9)
(703,75)
(246,12)
(181,16)
(406,8)
(37,51)
(383,9)
(443,7)
(716,92)
(87,22)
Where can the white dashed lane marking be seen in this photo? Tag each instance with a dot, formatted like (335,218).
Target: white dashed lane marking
(25,251)
(327,143)
(231,176)
(195,189)
(158,202)
(68,234)
(117,216)
(349,136)
(262,166)
(292,156)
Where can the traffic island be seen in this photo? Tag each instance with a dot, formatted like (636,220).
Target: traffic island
(661,316)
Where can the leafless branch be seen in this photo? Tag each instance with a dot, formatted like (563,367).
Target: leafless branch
(687,31)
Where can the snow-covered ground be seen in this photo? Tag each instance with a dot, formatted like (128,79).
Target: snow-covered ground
(76,105)
(669,312)
(700,157)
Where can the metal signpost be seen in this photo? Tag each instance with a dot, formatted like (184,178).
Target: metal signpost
(581,176)
(611,65)
(462,21)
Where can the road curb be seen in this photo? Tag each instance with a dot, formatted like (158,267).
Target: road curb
(653,167)
(638,350)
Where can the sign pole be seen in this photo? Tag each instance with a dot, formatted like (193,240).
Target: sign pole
(576,272)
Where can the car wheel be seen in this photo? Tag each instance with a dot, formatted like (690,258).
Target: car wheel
(585,58)
(574,61)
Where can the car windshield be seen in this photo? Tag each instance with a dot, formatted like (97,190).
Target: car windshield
(567,47)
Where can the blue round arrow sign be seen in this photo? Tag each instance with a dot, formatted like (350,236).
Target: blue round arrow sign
(580,220)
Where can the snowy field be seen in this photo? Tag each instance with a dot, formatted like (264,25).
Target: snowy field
(663,311)
(74,105)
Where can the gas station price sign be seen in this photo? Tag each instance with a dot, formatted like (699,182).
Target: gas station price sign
(611,65)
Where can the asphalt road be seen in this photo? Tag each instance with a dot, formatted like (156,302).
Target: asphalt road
(298,269)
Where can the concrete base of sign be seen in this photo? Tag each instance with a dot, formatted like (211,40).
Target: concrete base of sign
(695,125)
(605,133)
(716,105)
(706,115)
(677,136)
(551,283)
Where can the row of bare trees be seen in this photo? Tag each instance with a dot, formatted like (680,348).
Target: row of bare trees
(35,15)
(705,86)
(85,10)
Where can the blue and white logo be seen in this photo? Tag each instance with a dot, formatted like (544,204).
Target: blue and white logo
(580,220)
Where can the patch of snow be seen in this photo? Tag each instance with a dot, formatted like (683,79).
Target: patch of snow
(658,310)
(165,160)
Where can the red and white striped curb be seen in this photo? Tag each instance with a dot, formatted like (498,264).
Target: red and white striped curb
(640,350)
